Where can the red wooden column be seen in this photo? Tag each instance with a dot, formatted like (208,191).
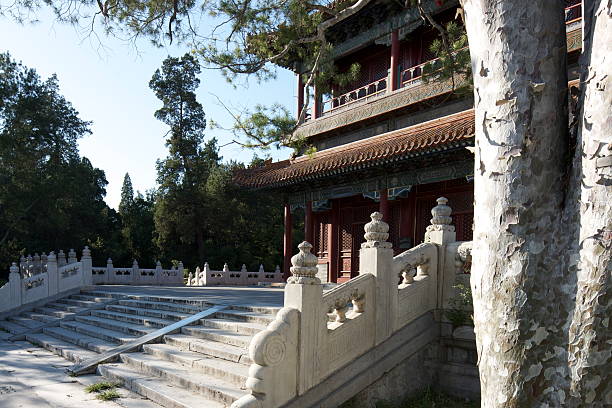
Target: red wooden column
(384,208)
(395,49)
(300,96)
(308,230)
(316,108)
(287,242)
(334,255)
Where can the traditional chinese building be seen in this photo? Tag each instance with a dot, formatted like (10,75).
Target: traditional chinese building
(389,142)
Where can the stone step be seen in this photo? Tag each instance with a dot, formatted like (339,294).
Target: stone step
(131,318)
(245,316)
(157,390)
(90,343)
(111,336)
(12,327)
(74,302)
(91,298)
(210,387)
(26,321)
(209,347)
(101,293)
(54,312)
(161,314)
(199,304)
(225,370)
(220,335)
(246,328)
(129,328)
(62,348)
(66,307)
(172,307)
(269,310)
(44,318)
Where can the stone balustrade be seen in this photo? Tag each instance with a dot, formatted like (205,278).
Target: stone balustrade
(40,277)
(110,275)
(208,277)
(317,334)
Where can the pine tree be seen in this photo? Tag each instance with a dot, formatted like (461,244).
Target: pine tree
(127,195)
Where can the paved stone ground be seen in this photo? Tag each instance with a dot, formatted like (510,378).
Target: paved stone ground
(32,377)
(251,296)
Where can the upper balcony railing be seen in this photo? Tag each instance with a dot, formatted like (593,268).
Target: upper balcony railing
(408,78)
(370,90)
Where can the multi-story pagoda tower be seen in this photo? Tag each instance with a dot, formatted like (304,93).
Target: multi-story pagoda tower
(390,141)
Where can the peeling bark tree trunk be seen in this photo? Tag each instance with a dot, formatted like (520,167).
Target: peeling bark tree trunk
(590,340)
(529,263)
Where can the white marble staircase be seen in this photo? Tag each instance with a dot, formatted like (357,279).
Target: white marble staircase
(205,365)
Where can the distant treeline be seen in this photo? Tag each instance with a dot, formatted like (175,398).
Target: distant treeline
(51,198)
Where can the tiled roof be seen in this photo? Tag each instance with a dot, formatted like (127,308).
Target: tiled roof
(435,135)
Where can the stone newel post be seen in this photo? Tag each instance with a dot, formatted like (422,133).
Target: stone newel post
(86,266)
(442,233)
(135,272)
(304,293)
(110,271)
(15,282)
(376,257)
(53,274)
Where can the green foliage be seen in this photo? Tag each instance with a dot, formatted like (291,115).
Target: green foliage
(453,57)
(127,195)
(101,386)
(108,395)
(461,306)
(199,215)
(50,197)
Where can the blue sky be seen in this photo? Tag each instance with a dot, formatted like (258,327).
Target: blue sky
(109,86)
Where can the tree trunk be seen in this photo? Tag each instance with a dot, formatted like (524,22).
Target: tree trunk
(520,79)
(589,349)
(543,236)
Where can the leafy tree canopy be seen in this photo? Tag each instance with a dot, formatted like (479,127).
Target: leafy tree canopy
(246,37)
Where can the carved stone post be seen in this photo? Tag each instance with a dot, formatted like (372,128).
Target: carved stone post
(52,274)
(61,258)
(197,281)
(376,257)
(135,273)
(86,267)
(110,271)
(159,278)
(304,293)
(72,256)
(15,282)
(37,264)
(205,278)
(441,233)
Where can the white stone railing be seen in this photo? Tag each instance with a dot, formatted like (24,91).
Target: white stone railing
(316,333)
(135,275)
(33,285)
(225,277)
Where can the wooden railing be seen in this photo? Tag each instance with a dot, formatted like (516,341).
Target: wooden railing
(373,89)
(573,13)
(408,78)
